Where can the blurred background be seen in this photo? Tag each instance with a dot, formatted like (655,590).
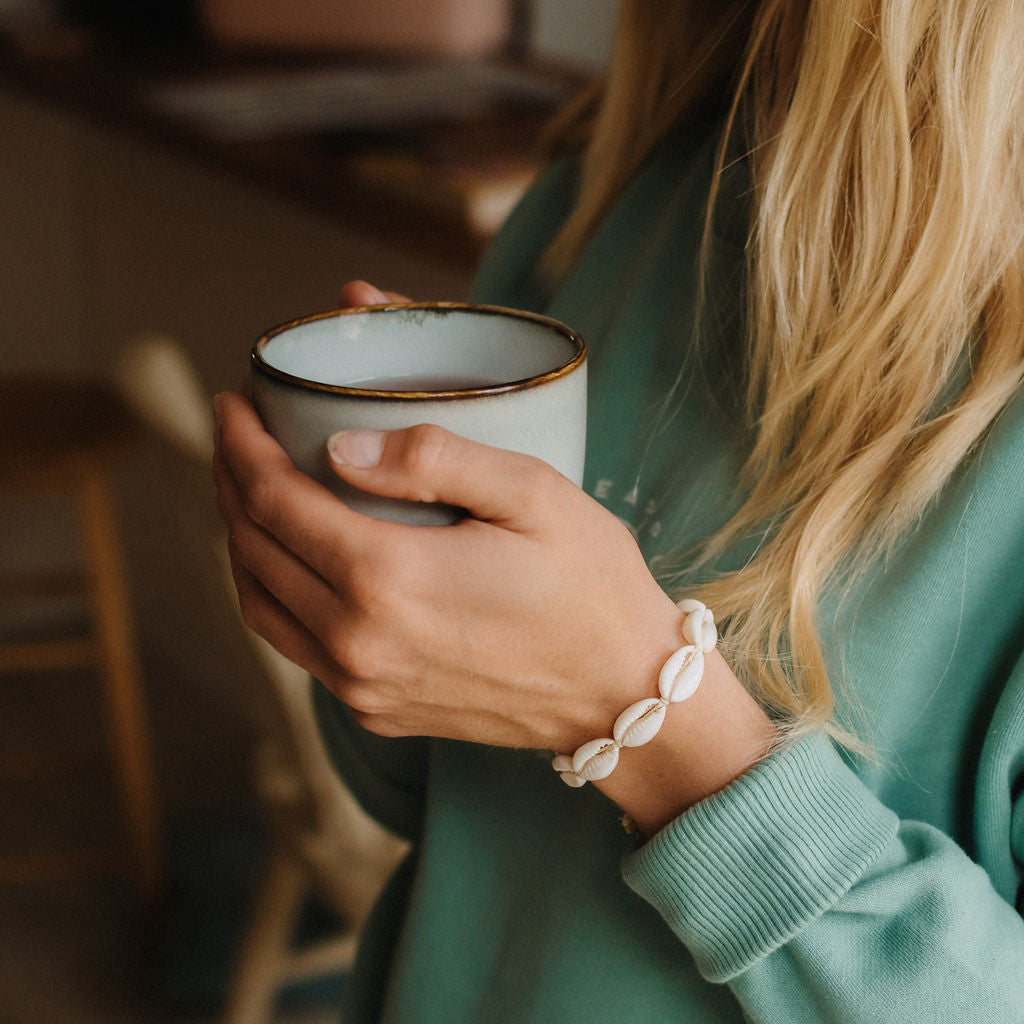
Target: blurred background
(175,178)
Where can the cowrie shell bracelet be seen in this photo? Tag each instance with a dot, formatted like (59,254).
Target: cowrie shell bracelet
(639,723)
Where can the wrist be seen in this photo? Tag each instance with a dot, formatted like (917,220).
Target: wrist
(706,742)
(681,741)
(678,680)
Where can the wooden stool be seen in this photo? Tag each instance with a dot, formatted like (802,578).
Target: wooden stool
(62,438)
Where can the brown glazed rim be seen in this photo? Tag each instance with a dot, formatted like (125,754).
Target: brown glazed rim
(578,358)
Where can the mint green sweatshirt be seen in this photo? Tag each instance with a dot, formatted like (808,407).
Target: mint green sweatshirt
(817,887)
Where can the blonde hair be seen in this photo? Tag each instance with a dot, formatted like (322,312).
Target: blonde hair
(886,279)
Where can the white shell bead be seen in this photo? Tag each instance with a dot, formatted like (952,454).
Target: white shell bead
(693,626)
(709,637)
(699,627)
(596,759)
(682,674)
(680,677)
(639,723)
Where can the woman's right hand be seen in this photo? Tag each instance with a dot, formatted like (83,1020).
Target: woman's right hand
(531,623)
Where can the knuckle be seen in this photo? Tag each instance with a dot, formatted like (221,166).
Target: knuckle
(423,448)
(359,698)
(377,579)
(375,584)
(265,498)
(380,725)
(542,484)
(363,699)
(260,501)
(360,659)
(546,479)
(340,648)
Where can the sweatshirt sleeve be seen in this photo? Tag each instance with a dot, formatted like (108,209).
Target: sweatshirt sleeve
(386,776)
(814,902)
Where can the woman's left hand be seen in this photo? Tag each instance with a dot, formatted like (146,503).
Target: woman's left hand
(531,623)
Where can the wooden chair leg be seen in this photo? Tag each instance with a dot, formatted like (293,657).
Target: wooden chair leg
(128,731)
(264,954)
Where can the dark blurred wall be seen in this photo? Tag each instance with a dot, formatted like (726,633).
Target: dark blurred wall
(138,22)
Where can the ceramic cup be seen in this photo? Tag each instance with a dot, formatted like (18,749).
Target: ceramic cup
(503,377)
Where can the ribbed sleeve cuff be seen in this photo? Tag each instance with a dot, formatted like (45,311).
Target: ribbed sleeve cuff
(741,873)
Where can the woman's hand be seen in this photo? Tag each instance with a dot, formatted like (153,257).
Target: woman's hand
(531,623)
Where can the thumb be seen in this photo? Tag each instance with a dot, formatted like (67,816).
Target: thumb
(429,463)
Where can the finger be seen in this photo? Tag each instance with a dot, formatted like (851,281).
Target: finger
(239,435)
(291,582)
(302,515)
(362,293)
(347,554)
(269,619)
(428,463)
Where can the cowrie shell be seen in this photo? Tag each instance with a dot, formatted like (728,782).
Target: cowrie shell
(682,674)
(680,677)
(596,759)
(562,763)
(699,624)
(708,632)
(639,722)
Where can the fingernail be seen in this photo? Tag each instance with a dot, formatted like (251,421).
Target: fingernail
(359,448)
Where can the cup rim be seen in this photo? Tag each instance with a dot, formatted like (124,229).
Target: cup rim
(261,365)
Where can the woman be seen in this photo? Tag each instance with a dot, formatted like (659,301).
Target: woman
(792,239)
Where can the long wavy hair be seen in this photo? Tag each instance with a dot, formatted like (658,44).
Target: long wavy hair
(885,279)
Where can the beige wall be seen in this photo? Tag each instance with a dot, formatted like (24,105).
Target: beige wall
(102,237)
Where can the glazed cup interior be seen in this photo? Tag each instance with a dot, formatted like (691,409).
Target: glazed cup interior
(420,348)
